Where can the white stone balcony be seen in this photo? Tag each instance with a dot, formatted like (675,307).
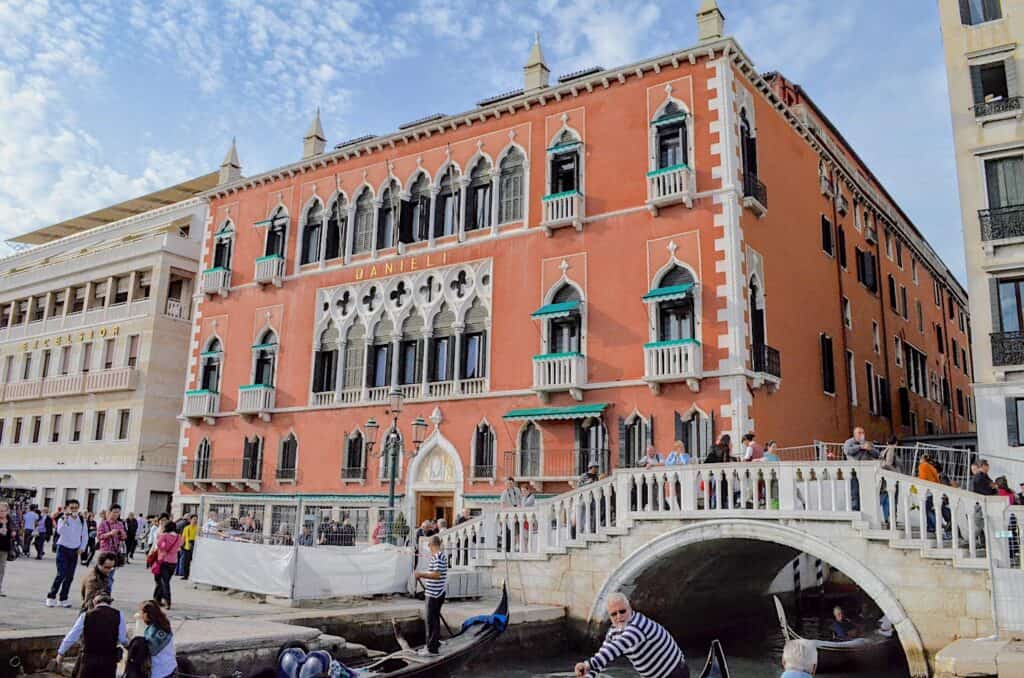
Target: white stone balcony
(175,309)
(377,394)
(256,399)
(24,390)
(117,379)
(202,404)
(64,385)
(672,361)
(670,186)
(411,391)
(270,269)
(440,389)
(559,372)
(563,209)
(216,280)
(473,386)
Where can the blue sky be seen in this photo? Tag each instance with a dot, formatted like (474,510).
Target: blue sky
(119,97)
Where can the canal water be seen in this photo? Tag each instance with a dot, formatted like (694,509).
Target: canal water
(754,652)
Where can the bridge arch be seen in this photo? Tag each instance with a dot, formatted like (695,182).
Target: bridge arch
(663,548)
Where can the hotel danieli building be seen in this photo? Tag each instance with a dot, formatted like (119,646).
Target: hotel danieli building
(667,250)
(95,314)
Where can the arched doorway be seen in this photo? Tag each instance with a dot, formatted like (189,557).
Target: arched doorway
(705,560)
(435,481)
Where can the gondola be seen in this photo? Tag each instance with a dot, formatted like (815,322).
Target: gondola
(476,633)
(835,655)
(715,667)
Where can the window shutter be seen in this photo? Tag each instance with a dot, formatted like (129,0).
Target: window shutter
(678,425)
(708,433)
(965,12)
(841,245)
(405,226)
(578,447)
(1010,65)
(993,10)
(977,90)
(905,406)
(622,442)
(1012,434)
(993,300)
(650,430)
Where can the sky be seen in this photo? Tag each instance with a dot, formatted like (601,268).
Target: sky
(116,98)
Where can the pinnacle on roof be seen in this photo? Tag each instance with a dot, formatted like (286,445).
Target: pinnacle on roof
(314,142)
(231,168)
(535,72)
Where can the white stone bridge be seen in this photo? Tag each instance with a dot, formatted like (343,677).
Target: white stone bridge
(666,538)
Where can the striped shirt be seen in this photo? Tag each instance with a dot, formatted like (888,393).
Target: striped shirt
(649,647)
(437,587)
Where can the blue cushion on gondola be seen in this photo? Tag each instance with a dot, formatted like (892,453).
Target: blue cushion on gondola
(498,621)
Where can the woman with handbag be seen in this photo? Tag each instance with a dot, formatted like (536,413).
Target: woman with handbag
(8,535)
(167,546)
(111,534)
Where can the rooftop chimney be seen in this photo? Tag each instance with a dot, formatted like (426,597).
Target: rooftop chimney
(535,72)
(230,169)
(314,142)
(710,21)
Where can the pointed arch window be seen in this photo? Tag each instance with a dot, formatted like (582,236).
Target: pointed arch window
(478,198)
(355,457)
(387,226)
(410,350)
(223,240)
(446,217)
(265,359)
(355,351)
(362,237)
(529,455)
(201,468)
(672,145)
(634,437)
(442,346)
(378,372)
(565,164)
(277,233)
(564,330)
(676,318)
(474,342)
(748,146)
(210,375)
(419,202)
(311,233)
(337,221)
(483,451)
(325,360)
(252,458)
(510,187)
(288,458)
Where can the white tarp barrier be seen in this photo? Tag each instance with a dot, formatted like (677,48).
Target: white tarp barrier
(325,572)
(257,568)
(321,572)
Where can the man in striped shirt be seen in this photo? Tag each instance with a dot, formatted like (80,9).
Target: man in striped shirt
(435,581)
(649,647)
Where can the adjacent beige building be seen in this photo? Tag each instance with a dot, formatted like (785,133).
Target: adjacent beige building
(983,53)
(94,330)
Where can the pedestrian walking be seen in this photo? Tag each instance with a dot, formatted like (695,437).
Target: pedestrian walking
(799,659)
(71,538)
(8,538)
(435,581)
(159,640)
(188,545)
(28,526)
(100,631)
(43,527)
(167,546)
(98,580)
(648,646)
(111,534)
(90,545)
(51,528)
(131,526)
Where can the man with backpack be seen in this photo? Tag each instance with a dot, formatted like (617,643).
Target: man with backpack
(72,537)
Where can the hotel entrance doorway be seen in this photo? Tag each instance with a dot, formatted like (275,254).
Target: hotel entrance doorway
(434,506)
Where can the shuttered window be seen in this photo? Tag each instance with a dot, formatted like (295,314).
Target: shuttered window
(826,237)
(979,11)
(1014,420)
(362,240)
(1004,181)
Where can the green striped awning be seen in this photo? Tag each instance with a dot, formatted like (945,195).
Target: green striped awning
(554,413)
(667,119)
(559,310)
(668,293)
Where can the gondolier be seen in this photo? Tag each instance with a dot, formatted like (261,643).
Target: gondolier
(435,581)
(649,647)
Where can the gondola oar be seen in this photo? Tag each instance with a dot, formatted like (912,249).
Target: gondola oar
(443,620)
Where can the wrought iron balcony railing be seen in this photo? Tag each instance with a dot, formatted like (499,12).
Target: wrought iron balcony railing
(754,192)
(767,360)
(1004,105)
(1002,222)
(1007,348)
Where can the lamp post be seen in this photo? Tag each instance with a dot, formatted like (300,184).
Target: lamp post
(390,446)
